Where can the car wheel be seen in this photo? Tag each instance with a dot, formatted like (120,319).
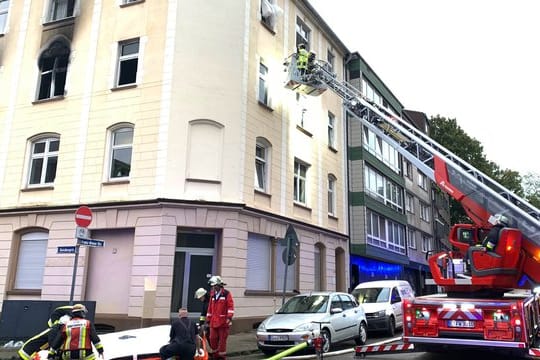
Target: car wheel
(327,340)
(268,351)
(391,326)
(362,334)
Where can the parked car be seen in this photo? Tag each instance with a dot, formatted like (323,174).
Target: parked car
(383,303)
(336,316)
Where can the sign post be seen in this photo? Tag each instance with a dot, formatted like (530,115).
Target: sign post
(289,254)
(83,218)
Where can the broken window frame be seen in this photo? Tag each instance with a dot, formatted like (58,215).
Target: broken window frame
(53,65)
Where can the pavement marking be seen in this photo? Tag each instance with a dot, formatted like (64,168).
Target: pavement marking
(339,352)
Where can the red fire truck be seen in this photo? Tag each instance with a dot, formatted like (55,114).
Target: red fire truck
(487,299)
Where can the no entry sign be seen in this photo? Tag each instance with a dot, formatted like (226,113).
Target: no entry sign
(83,216)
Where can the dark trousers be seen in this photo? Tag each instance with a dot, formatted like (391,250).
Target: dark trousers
(184,350)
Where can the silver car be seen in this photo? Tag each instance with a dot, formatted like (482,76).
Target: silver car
(336,316)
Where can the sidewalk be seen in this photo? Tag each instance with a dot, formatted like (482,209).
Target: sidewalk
(244,343)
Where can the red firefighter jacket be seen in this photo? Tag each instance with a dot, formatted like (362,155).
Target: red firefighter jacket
(220,309)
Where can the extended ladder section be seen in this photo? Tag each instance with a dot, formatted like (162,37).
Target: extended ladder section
(480,196)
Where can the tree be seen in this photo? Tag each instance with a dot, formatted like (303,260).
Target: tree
(531,188)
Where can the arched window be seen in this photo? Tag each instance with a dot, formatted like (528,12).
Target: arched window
(121,148)
(53,64)
(31,261)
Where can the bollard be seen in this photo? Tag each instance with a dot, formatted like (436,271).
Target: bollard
(289,351)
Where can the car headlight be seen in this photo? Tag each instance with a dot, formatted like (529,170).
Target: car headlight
(304,327)
(262,327)
(381,313)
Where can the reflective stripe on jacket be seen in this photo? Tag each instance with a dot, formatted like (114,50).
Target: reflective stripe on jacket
(220,309)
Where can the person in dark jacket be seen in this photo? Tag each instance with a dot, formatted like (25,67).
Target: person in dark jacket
(41,341)
(492,238)
(202,295)
(182,338)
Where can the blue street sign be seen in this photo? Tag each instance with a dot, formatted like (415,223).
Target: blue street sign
(91,242)
(66,250)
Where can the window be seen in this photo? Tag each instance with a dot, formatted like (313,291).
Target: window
(265,267)
(4,7)
(130,1)
(128,60)
(407,169)
(331,195)
(43,161)
(121,149)
(269,13)
(422,181)
(331,130)
(53,64)
(31,261)
(409,203)
(425,213)
(427,244)
(383,189)
(385,233)
(300,181)
(411,238)
(331,59)
(61,9)
(262,157)
(318,264)
(303,33)
(381,149)
(263,85)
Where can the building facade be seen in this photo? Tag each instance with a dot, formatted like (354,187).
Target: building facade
(168,120)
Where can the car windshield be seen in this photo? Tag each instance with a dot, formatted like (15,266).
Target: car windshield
(371,295)
(305,304)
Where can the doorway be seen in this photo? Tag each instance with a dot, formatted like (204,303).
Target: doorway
(194,263)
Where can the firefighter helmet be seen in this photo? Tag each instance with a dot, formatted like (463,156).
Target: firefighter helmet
(502,220)
(216,280)
(79,310)
(199,293)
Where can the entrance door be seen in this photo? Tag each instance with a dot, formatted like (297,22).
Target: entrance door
(193,265)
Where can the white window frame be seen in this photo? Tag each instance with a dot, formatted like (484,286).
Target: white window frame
(331,59)
(300,181)
(303,33)
(411,238)
(269,12)
(262,161)
(46,157)
(52,76)
(427,243)
(263,95)
(422,181)
(409,203)
(31,261)
(4,14)
(54,6)
(425,213)
(259,262)
(113,132)
(125,58)
(331,130)
(332,181)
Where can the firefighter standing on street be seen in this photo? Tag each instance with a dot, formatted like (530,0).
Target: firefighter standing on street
(76,337)
(219,317)
(41,341)
(202,295)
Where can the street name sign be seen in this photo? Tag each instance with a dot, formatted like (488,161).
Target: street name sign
(66,250)
(91,242)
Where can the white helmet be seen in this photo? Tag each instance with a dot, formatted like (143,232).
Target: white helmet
(501,219)
(215,280)
(200,292)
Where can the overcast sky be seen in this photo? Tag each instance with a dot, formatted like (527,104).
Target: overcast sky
(477,61)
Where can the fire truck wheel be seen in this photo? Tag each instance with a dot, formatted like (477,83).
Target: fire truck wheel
(391,326)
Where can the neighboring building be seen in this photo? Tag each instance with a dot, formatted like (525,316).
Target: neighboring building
(390,214)
(169,120)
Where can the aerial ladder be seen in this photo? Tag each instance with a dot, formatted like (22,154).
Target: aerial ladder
(517,262)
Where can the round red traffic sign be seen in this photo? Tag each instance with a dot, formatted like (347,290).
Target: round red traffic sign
(83,216)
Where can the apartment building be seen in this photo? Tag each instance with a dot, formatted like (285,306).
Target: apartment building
(168,119)
(391,203)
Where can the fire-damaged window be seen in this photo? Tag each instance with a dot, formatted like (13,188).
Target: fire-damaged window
(269,13)
(53,64)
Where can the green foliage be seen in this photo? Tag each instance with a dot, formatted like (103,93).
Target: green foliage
(450,135)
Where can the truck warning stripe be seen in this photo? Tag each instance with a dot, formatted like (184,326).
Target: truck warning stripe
(535,352)
(384,348)
(471,314)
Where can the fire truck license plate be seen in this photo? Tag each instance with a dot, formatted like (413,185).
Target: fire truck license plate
(461,323)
